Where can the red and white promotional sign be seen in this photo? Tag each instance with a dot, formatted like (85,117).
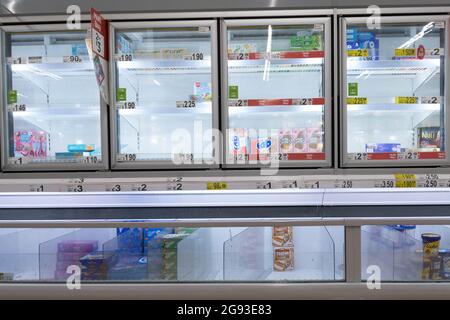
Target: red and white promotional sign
(100,51)
(99,34)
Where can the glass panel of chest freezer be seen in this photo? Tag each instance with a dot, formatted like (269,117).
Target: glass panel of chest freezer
(164,94)
(53,101)
(395,92)
(276,92)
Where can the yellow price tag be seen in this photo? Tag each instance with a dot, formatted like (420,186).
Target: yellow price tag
(357,100)
(216,186)
(411,52)
(406,100)
(358,53)
(407,180)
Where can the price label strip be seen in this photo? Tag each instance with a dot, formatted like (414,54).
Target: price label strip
(275,102)
(276,55)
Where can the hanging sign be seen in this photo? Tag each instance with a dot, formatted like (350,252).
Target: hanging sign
(98,43)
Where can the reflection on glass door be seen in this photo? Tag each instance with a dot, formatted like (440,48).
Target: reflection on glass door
(164,94)
(53,105)
(277,92)
(394,92)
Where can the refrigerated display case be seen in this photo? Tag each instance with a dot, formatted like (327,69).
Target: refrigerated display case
(394,91)
(53,115)
(276,104)
(164,94)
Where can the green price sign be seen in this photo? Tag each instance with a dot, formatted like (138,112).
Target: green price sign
(233,92)
(12,96)
(121,94)
(353,89)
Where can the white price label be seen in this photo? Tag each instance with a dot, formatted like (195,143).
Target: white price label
(238,103)
(114,188)
(359,156)
(75,188)
(72,59)
(203,29)
(17,107)
(123,57)
(128,157)
(140,187)
(264,185)
(344,184)
(128,105)
(196,56)
(388,183)
(186,104)
(37,188)
(175,186)
(18,60)
(408,155)
(430,100)
(19,160)
(435,52)
(91,159)
(311,184)
(289,184)
(35,59)
(302,102)
(183,157)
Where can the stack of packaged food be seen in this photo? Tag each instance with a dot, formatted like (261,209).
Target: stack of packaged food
(69,252)
(283,248)
(95,265)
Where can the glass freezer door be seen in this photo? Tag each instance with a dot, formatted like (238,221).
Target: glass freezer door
(53,112)
(276,91)
(164,94)
(395,92)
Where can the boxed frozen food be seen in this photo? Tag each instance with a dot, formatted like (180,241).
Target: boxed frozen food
(6,276)
(285,141)
(299,137)
(77,246)
(283,258)
(383,147)
(239,141)
(315,139)
(282,237)
(30,143)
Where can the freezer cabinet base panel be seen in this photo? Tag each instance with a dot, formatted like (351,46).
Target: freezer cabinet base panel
(254,291)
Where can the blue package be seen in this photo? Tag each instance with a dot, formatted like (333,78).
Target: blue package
(383,147)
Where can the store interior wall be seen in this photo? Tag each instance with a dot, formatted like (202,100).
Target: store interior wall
(24,7)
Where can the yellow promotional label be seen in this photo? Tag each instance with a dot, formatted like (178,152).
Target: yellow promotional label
(357,100)
(406,100)
(407,180)
(411,52)
(216,185)
(358,53)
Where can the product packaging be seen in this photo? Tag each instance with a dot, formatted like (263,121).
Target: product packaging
(315,139)
(282,237)
(300,140)
(285,141)
(239,141)
(30,144)
(383,147)
(283,258)
(77,246)
(431,242)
